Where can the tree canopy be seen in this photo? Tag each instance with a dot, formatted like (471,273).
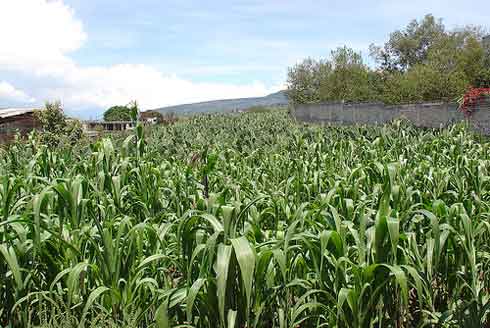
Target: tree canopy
(118,113)
(423,61)
(129,112)
(55,127)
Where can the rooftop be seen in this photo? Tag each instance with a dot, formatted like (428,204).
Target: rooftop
(9,112)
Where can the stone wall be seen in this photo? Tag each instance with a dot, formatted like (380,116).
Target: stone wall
(430,115)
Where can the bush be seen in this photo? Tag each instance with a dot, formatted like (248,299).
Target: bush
(55,128)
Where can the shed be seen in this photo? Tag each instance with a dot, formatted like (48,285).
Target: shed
(151,117)
(108,125)
(13,120)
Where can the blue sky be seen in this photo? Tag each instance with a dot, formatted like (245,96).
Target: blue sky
(91,54)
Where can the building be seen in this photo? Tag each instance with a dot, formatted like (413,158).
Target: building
(108,125)
(16,120)
(151,117)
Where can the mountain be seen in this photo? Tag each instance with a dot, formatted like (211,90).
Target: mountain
(227,105)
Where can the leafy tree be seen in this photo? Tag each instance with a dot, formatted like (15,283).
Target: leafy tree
(423,61)
(128,112)
(350,79)
(55,128)
(343,76)
(118,113)
(409,46)
(52,118)
(305,79)
(53,122)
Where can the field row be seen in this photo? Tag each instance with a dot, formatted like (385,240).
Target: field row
(248,220)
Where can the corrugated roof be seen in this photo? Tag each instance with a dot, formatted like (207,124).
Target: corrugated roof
(9,112)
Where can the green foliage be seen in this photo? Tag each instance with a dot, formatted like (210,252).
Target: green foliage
(118,113)
(263,109)
(55,128)
(52,117)
(133,110)
(74,131)
(305,79)
(411,45)
(343,77)
(422,62)
(129,112)
(298,226)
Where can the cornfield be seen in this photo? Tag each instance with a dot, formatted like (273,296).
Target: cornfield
(248,220)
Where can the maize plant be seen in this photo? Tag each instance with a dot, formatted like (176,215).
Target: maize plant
(248,220)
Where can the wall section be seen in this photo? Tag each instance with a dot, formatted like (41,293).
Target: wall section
(429,114)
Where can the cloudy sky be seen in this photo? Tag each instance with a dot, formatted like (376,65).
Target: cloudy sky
(92,54)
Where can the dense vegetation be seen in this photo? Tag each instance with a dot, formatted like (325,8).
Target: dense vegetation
(56,128)
(121,113)
(248,221)
(422,62)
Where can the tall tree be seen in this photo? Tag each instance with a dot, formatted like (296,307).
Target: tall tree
(409,46)
(423,61)
(305,79)
(118,113)
(350,79)
(343,76)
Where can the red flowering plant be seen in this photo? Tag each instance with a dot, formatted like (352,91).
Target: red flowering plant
(472,98)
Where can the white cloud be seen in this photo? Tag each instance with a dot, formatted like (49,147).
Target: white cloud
(13,95)
(37,37)
(119,84)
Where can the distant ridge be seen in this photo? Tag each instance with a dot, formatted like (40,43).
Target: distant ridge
(228,105)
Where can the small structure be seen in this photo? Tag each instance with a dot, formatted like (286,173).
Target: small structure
(93,125)
(151,117)
(17,120)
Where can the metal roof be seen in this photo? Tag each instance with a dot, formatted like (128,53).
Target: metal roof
(9,112)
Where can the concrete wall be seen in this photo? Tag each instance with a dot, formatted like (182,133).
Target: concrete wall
(430,115)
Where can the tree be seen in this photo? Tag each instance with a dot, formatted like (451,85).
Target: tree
(305,79)
(53,123)
(350,78)
(128,112)
(343,76)
(55,128)
(52,118)
(409,46)
(423,61)
(118,113)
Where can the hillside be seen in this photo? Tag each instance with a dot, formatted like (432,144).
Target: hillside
(228,105)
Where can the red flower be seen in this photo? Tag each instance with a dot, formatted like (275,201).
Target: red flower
(472,98)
